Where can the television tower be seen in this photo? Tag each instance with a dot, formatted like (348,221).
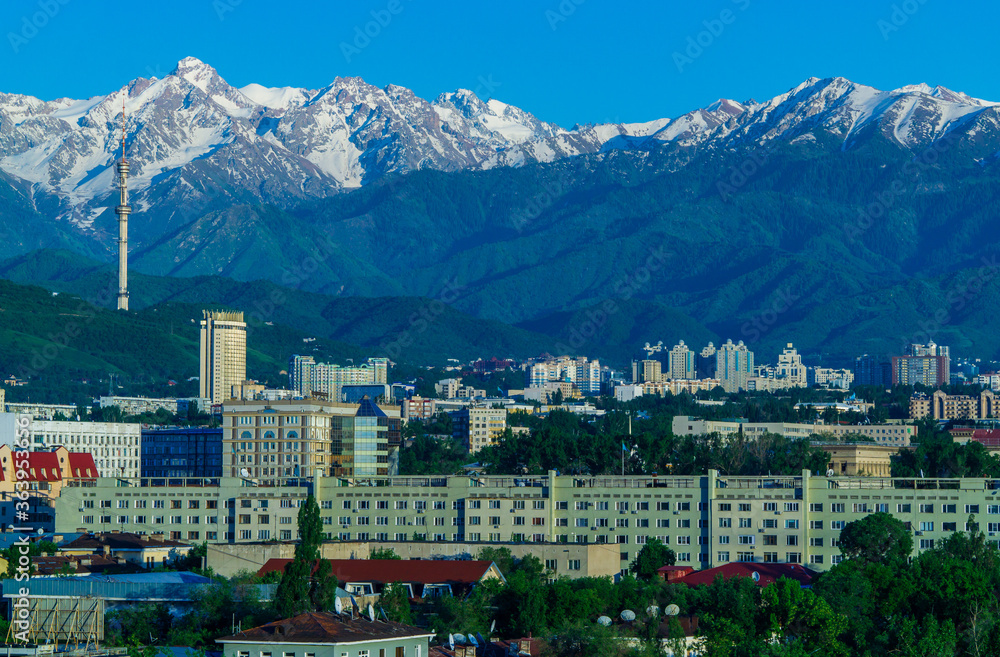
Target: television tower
(123,210)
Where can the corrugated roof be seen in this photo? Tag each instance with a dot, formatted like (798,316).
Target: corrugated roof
(768,573)
(119,542)
(385,571)
(324,627)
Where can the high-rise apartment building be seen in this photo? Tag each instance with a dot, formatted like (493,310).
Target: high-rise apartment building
(479,427)
(307,377)
(929,364)
(872,371)
(680,362)
(705,363)
(931,371)
(733,365)
(647,371)
(223,354)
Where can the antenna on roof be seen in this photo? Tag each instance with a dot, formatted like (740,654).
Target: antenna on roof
(371,612)
(672,610)
(338,606)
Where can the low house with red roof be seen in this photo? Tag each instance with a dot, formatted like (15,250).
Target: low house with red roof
(764,574)
(988,438)
(423,578)
(325,634)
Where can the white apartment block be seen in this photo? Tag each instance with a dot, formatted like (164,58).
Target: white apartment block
(584,373)
(882,434)
(139,405)
(116,446)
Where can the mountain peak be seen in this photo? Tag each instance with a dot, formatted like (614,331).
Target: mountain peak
(194,71)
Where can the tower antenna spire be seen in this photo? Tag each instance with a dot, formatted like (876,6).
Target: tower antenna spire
(123,210)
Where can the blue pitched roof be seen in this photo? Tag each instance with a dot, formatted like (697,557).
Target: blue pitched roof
(367,408)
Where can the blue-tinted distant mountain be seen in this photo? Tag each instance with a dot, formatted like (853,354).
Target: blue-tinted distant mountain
(833,195)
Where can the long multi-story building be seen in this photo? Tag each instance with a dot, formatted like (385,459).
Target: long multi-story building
(942,406)
(140,405)
(223,354)
(182,452)
(270,442)
(707,520)
(308,377)
(42,411)
(116,446)
(883,434)
(733,365)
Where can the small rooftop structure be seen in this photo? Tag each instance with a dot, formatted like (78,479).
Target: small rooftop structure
(674,573)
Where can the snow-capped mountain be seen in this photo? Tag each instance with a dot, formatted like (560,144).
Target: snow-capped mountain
(195,140)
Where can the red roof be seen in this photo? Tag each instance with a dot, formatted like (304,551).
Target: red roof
(986,437)
(44,466)
(82,466)
(385,571)
(768,573)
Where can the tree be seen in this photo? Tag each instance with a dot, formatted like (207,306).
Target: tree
(292,595)
(384,553)
(311,533)
(395,601)
(877,538)
(295,593)
(501,556)
(653,556)
(324,586)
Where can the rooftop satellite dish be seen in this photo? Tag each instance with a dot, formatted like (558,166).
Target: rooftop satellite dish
(755,576)
(604,620)
(829,473)
(480,640)
(371,612)
(493,625)
(472,641)
(652,611)
(451,641)
(338,606)
(244,472)
(459,639)
(672,610)
(628,615)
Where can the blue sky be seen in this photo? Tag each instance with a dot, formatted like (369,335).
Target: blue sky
(568,61)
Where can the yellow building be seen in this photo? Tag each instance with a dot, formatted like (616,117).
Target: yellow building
(860,459)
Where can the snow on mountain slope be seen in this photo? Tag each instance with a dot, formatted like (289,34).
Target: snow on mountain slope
(192,136)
